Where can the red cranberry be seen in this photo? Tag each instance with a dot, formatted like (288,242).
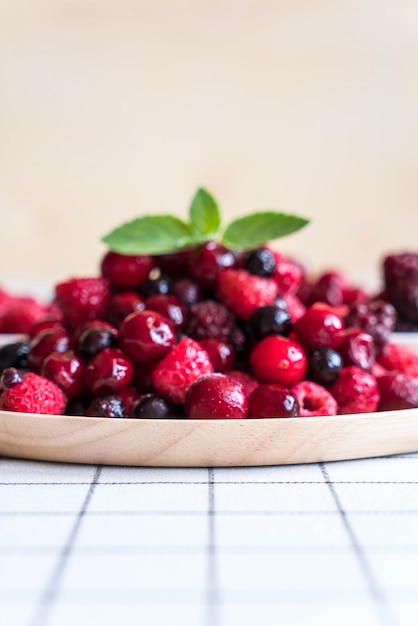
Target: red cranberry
(208,261)
(44,344)
(125,271)
(66,370)
(9,378)
(108,372)
(169,307)
(123,304)
(318,326)
(50,324)
(129,397)
(248,382)
(397,391)
(109,406)
(146,336)
(272,401)
(329,288)
(356,347)
(278,360)
(221,354)
(152,406)
(216,396)
(288,274)
(173,264)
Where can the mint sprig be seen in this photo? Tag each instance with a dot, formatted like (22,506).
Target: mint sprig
(163,234)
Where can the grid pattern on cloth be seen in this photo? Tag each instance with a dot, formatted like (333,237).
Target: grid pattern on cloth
(320,544)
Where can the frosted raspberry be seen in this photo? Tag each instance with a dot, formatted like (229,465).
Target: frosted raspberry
(82,299)
(21,314)
(400,359)
(397,391)
(314,399)
(35,394)
(243,293)
(355,391)
(177,371)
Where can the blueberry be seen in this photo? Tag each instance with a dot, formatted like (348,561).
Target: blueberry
(270,320)
(152,406)
(107,406)
(260,262)
(14,355)
(324,365)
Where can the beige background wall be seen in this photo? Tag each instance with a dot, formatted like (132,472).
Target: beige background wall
(109,109)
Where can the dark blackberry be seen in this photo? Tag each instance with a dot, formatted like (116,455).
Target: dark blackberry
(14,355)
(401,284)
(270,320)
(152,406)
(377,318)
(260,262)
(93,341)
(107,406)
(324,365)
(210,319)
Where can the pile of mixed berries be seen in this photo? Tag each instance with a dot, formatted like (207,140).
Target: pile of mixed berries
(212,333)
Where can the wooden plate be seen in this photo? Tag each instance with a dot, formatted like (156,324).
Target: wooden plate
(203,443)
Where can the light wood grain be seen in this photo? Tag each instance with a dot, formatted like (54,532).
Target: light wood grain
(192,443)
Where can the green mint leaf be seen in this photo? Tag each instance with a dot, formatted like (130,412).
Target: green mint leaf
(151,234)
(256,229)
(205,217)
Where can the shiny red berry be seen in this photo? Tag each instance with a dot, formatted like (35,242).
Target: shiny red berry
(356,347)
(216,396)
(272,401)
(66,370)
(278,360)
(126,271)
(314,400)
(123,304)
(146,336)
(208,261)
(318,326)
(168,306)
(108,372)
(221,354)
(43,344)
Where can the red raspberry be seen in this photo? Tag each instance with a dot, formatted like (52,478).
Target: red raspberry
(288,274)
(397,391)
(124,271)
(243,292)
(272,401)
(400,359)
(108,372)
(216,396)
(21,314)
(186,362)
(146,336)
(249,383)
(318,326)
(66,370)
(35,394)
(278,360)
(355,391)
(314,399)
(82,299)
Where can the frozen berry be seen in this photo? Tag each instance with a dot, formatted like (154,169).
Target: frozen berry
(146,336)
(208,261)
(14,355)
(313,399)
(270,320)
(210,319)
(156,284)
(260,262)
(168,306)
(288,274)
(397,391)
(272,401)
(248,382)
(177,371)
(82,328)
(243,292)
(221,354)
(108,406)
(278,360)
(329,288)
(66,370)
(82,299)
(45,324)
(108,372)
(94,340)
(318,326)
(129,397)
(355,391)
(9,378)
(216,396)
(151,406)
(35,394)
(378,318)
(44,344)
(399,358)
(123,304)
(356,347)
(173,264)
(295,307)
(21,314)
(401,284)
(126,272)
(324,365)
(187,291)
